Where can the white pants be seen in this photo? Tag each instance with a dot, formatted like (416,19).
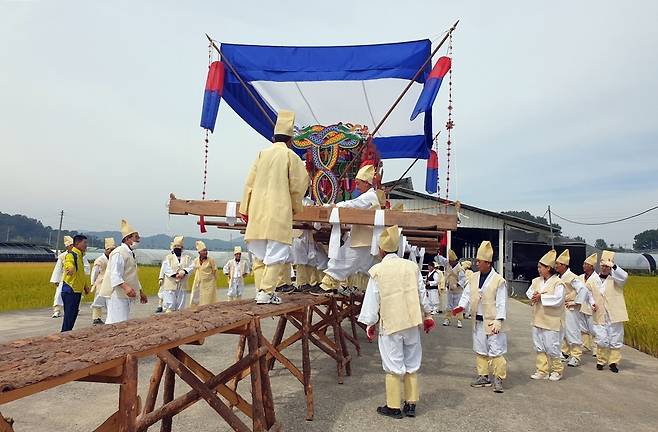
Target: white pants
(303,249)
(99,301)
(586,324)
(572,320)
(118,309)
(492,345)
(609,335)
(350,261)
(57,300)
(173,300)
(401,351)
(270,252)
(453,299)
(236,288)
(433,297)
(547,341)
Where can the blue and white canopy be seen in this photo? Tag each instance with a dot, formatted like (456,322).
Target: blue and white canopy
(327,85)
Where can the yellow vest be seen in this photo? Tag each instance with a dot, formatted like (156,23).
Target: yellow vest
(129,274)
(598,316)
(170,283)
(273,192)
(101,262)
(614,301)
(487,296)
(569,291)
(452,278)
(74,260)
(400,307)
(548,318)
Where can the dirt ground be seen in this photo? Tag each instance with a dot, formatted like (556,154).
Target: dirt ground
(586,399)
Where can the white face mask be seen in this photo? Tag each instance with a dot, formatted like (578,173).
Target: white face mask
(134,246)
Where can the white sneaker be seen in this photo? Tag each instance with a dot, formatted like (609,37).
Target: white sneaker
(459,324)
(264,298)
(555,376)
(446,322)
(573,362)
(56,314)
(539,376)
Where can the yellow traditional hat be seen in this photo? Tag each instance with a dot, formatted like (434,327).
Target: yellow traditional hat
(549,258)
(68,241)
(591,260)
(366,173)
(178,241)
(390,239)
(452,256)
(285,121)
(126,229)
(109,243)
(237,250)
(200,246)
(467,265)
(564,257)
(607,258)
(485,251)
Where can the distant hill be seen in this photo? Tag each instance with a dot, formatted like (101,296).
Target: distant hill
(162,241)
(20,228)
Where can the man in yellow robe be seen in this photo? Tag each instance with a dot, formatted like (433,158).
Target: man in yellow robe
(275,186)
(204,287)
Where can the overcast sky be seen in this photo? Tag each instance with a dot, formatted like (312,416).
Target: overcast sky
(555,103)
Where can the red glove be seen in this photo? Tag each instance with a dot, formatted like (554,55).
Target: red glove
(244,217)
(457,310)
(370,331)
(428,325)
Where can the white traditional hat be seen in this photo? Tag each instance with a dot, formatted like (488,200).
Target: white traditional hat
(178,241)
(390,239)
(109,243)
(366,173)
(200,246)
(549,258)
(68,241)
(564,257)
(126,229)
(285,122)
(452,256)
(607,258)
(591,260)
(237,250)
(485,251)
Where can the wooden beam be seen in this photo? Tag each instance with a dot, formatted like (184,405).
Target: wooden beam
(167,397)
(321,214)
(6,425)
(206,393)
(128,405)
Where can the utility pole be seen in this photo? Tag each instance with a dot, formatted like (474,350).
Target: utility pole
(550,224)
(8,233)
(59,231)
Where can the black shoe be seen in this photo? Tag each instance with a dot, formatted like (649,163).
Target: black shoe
(613,367)
(566,356)
(409,409)
(97,321)
(285,289)
(159,309)
(389,412)
(599,366)
(318,291)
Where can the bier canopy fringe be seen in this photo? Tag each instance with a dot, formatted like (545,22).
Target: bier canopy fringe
(333,84)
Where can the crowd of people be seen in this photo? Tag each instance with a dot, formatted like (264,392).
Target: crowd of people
(571,313)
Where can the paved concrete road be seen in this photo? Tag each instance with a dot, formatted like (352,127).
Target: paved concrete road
(585,400)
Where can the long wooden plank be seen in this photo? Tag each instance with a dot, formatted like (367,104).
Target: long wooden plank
(321,214)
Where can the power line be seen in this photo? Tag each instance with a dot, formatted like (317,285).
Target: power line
(608,222)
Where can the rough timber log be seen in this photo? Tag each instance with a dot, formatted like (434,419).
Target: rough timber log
(321,214)
(111,353)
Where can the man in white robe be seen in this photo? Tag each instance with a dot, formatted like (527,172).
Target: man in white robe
(432,288)
(355,252)
(455,281)
(122,287)
(97,274)
(395,299)
(590,308)
(235,270)
(177,269)
(485,294)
